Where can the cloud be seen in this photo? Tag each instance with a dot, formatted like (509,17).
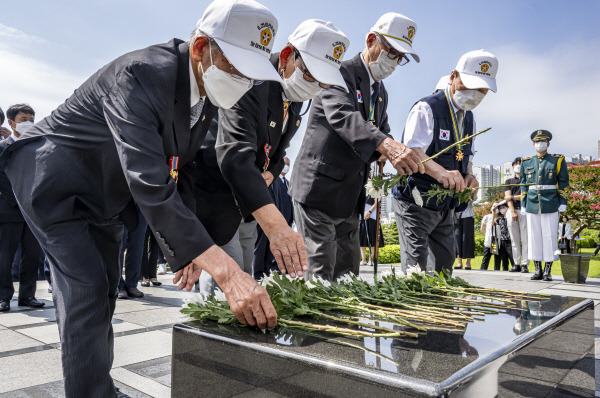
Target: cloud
(31,76)
(555,90)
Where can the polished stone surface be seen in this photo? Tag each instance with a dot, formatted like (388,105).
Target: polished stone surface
(507,354)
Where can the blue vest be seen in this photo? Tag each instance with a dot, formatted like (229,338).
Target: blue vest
(443,137)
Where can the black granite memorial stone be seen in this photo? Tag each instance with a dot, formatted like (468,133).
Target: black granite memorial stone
(526,351)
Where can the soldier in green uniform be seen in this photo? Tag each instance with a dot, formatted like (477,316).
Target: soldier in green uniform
(542,201)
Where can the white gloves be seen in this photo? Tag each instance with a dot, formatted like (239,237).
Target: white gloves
(523,211)
(562,208)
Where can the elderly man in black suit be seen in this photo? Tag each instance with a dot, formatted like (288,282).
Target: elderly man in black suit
(347,130)
(13,230)
(249,146)
(130,133)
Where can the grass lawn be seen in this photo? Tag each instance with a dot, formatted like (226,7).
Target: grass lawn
(594,271)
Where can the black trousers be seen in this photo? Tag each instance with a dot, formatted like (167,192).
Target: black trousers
(505,257)
(133,242)
(150,255)
(263,262)
(11,234)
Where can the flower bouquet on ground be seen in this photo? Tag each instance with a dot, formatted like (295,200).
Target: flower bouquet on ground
(394,306)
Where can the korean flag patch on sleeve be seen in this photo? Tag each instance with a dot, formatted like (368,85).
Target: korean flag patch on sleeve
(445,135)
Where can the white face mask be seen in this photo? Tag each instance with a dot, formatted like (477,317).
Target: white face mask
(468,99)
(517,169)
(540,146)
(23,127)
(286,169)
(297,89)
(383,67)
(222,88)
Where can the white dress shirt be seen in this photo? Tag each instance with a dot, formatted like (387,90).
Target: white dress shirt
(418,132)
(371,80)
(194,90)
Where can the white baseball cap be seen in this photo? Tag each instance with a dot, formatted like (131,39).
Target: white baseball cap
(322,47)
(399,31)
(478,69)
(443,82)
(245,31)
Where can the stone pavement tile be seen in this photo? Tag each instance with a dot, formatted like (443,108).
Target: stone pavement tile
(158,370)
(141,347)
(10,341)
(57,390)
(135,305)
(48,334)
(582,376)
(26,370)
(140,383)
(155,317)
(12,319)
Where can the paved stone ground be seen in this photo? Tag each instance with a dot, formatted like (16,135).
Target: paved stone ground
(30,349)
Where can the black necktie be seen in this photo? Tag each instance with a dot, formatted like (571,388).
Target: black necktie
(375,86)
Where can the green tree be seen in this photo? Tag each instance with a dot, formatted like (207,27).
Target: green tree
(583,197)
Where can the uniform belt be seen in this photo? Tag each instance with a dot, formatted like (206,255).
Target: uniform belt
(541,187)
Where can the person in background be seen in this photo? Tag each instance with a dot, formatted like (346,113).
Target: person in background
(442,83)
(517,222)
(4,132)
(486,229)
(504,247)
(546,179)
(149,260)
(368,231)
(13,229)
(132,251)
(598,247)
(464,233)
(565,235)
(264,262)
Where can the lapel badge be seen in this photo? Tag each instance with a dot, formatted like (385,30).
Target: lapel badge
(297,123)
(203,117)
(359,97)
(380,100)
(272,124)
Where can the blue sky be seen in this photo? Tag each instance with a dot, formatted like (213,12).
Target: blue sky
(548,51)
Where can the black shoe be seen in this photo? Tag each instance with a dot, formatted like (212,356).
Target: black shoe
(4,305)
(155,283)
(30,302)
(123,294)
(133,292)
(145,284)
(547,276)
(121,394)
(515,268)
(524,269)
(538,271)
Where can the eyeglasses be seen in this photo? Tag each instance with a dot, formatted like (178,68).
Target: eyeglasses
(233,72)
(306,74)
(392,53)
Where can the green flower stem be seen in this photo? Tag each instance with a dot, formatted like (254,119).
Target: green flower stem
(455,144)
(344,331)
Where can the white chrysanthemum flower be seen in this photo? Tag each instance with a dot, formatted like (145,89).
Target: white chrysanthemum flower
(325,282)
(413,269)
(267,280)
(381,275)
(192,298)
(417,197)
(372,191)
(556,253)
(219,295)
(346,278)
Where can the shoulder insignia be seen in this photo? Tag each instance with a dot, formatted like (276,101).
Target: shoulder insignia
(556,155)
(522,159)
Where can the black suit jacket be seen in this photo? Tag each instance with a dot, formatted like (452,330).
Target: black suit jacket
(332,166)
(113,138)
(9,209)
(229,184)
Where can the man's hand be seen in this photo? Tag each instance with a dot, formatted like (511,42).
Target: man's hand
(515,216)
(404,159)
(562,208)
(289,251)
(471,182)
(268,176)
(287,246)
(5,133)
(452,179)
(248,301)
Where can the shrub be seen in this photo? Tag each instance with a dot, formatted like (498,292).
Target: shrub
(389,254)
(390,233)
(479,247)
